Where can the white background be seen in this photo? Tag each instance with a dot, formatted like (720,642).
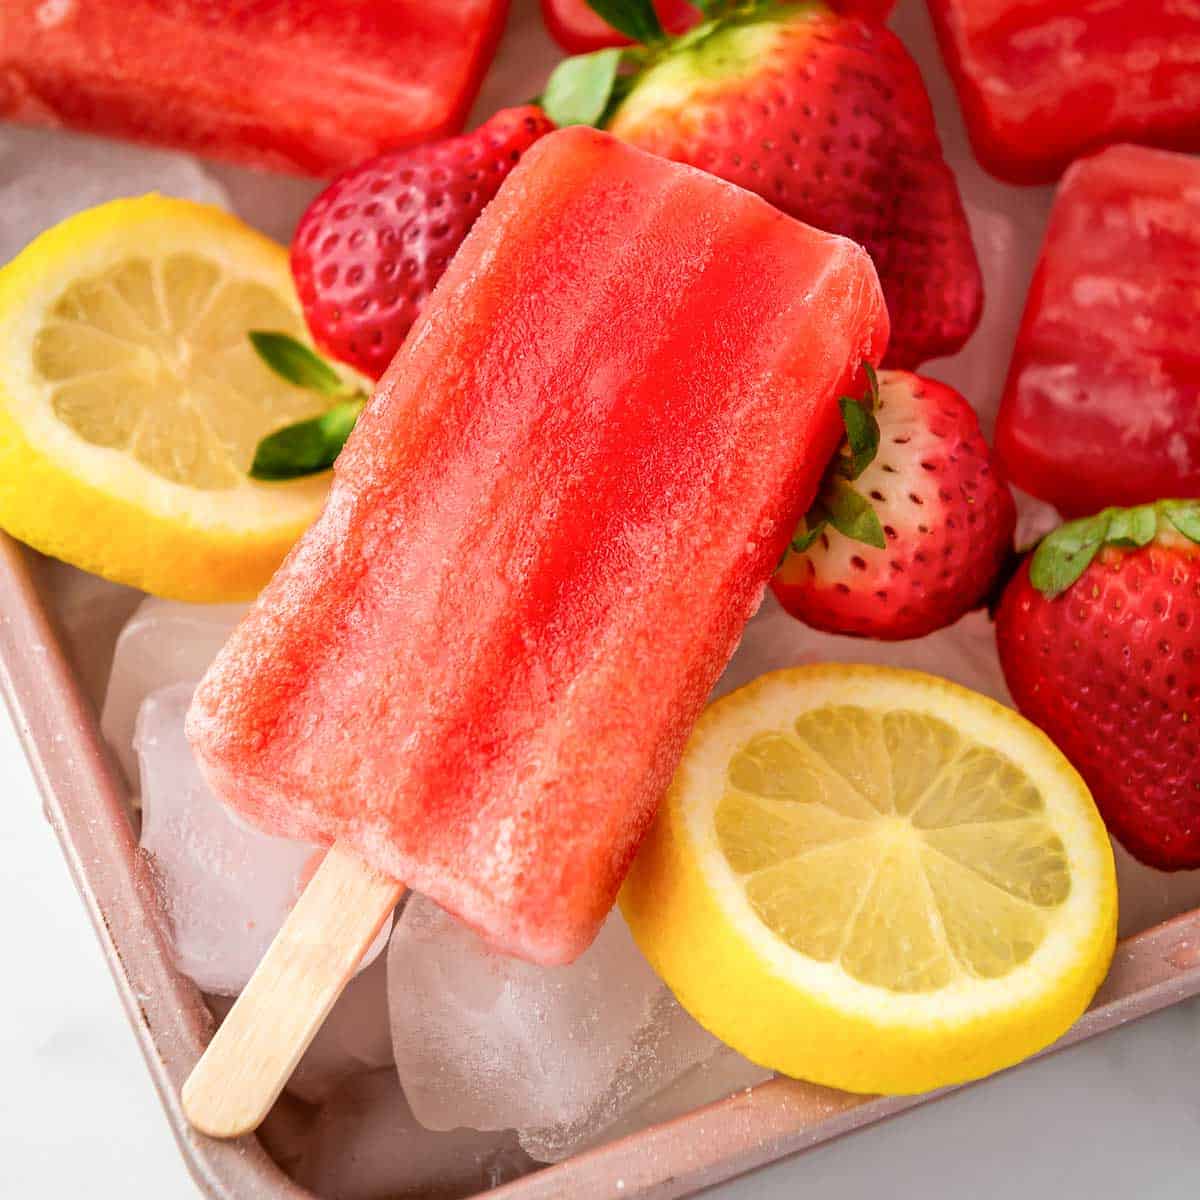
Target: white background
(1116,1118)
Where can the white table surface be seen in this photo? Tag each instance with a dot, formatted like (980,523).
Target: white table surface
(1118,1117)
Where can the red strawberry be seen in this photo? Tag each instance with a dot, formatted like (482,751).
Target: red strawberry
(1099,638)
(940,530)
(578,28)
(371,246)
(826,117)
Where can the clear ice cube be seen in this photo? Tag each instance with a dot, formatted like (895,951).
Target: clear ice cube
(355,1038)
(164,642)
(673,1066)
(559,1053)
(226,887)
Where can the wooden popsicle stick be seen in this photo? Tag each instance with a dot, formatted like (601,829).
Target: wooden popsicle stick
(313,957)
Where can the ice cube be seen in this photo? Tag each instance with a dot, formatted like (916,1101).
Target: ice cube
(164,642)
(673,1065)
(718,1076)
(226,887)
(365,1144)
(47,176)
(492,1042)
(964,652)
(355,1038)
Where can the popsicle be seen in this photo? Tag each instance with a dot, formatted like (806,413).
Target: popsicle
(1043,81)
(477,670)
(1102,402)
(310,86)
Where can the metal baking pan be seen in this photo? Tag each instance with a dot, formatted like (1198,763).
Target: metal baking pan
(87,804)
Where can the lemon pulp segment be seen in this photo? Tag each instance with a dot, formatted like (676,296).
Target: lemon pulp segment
(152,358)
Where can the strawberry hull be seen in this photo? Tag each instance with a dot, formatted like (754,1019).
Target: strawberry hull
(307,86)
(1102,403)
(1042,83)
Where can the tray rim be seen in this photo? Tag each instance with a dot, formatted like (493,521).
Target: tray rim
(85,802)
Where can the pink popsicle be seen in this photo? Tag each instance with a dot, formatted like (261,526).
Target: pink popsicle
(479,667)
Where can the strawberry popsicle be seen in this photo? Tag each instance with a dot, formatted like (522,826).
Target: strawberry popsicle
(479,667)
(310,86)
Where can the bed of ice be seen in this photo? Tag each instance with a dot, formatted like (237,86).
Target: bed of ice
(445,1069)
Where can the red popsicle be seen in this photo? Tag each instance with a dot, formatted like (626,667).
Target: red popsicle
(1102,404)
(1043,81)
(310,86)
(478,669)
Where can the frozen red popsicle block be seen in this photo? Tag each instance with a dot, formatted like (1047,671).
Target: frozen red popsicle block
(297,85)
(1102,404)
(479,667)
(1043,81)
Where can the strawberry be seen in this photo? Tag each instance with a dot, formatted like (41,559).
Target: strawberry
(371,246)
(826,117)
(921,536)
(1099,638)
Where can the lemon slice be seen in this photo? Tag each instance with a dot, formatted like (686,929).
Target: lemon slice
(131,400)
(876,880)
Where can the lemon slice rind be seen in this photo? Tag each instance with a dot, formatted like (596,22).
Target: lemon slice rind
(791,1012)
(99,507)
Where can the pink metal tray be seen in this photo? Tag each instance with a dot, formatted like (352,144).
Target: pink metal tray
(87,804)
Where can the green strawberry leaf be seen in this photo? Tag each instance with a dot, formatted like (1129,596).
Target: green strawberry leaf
(837,503)
(1132,526)
(1064,555)
(579,90)
(307,446)
(811,527)
(862,437)
(295,362)
(636,19)
(851,514)
(1185,516)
